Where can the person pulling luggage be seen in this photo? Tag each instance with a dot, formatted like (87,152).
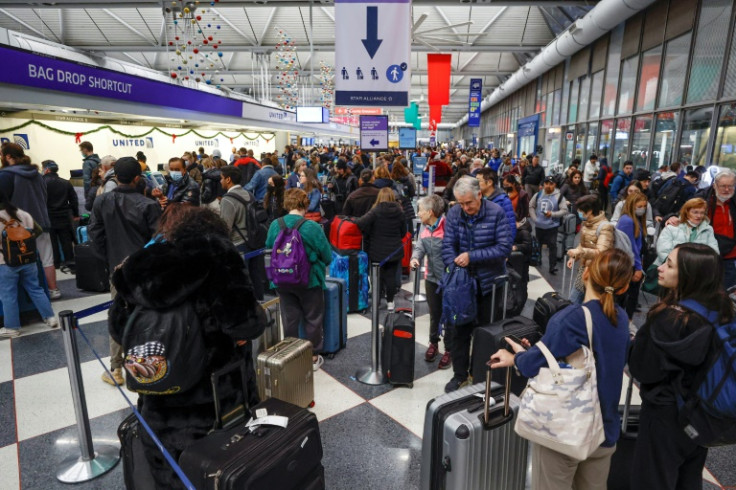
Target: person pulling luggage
(608,276)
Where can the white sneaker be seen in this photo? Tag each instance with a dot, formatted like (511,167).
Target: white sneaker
(318,363)
(51,321)
(54,293)
(9,333)
(390,306)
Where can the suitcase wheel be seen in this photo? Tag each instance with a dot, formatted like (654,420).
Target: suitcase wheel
(410,385)
(331,356)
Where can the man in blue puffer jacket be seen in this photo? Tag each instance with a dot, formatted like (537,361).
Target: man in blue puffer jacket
(477,236)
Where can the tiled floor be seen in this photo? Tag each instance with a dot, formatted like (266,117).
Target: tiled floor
(371,435)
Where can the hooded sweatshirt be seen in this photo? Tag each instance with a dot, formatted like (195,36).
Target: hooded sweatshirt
(25,187)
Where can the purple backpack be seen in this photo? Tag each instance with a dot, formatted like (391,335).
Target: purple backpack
(289,261)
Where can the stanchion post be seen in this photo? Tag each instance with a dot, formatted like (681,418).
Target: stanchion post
(430,182)
(91,463)
(373,374)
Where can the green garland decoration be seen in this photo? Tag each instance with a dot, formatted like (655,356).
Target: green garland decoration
(266,136)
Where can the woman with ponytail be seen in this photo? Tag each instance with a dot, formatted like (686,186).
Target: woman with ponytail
(607,276)
(666,357)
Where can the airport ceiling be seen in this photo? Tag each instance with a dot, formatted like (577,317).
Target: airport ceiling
(503,36)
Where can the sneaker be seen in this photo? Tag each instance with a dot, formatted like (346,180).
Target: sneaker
(390,306)
(117,377)
(454,384)
(431,353)
(318,363)
(9,333)
(51,321)
(445,361)
(54,293)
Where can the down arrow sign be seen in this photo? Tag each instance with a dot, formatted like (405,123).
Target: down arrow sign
(372,43)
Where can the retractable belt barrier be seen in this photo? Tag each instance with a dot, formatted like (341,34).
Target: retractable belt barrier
(94,463)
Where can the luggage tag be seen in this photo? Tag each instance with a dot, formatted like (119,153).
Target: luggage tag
(262,418)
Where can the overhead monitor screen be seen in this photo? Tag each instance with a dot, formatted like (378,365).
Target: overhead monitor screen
(312,115)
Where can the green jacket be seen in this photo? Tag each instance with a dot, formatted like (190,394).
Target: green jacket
(315,244)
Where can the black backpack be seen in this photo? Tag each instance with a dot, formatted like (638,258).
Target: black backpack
(657,185)
(256,222)
(669,199)
(164,350)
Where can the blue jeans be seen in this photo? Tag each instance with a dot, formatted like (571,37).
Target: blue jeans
(576,297)
(27,277)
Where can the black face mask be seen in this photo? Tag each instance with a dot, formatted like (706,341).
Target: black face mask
(270,188)
(508,190)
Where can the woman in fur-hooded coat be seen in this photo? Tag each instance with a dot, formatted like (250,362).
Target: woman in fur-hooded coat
(195,263)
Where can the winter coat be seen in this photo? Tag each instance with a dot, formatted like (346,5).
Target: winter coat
(672,236)
(121,223)
(185,191)
(259,183)
(195,173)
(62,201)
(384,228)
(542,202)
(522,206)
(26,189)
(248,167)
(381,183)
(592,242)
(442,172)
(486,237)
(89,199)
(502,199)
(215,283)
(89,164)
(211,187)
(620,181)
(360,201)
(233,212)
(429,244)
(626,224)
(533,175)
(571,195)
(495,163)
(667,351)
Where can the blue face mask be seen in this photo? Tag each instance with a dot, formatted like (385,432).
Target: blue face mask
(582,216)
(175,176)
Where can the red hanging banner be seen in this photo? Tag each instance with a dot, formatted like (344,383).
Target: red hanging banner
(438,76)
(435,116)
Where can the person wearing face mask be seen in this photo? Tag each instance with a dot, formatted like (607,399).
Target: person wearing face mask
(633,223)
(596,236)
(192,167)
(519,199)
(179,186)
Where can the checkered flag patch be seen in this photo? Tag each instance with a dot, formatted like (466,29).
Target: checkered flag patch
(152,348)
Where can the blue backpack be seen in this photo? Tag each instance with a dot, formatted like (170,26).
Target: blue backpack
(707,413)
(458,290)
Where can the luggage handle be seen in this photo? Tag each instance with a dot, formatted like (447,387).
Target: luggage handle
(417,278)
(627,405)
(505,279)
(489,423)
(239,412)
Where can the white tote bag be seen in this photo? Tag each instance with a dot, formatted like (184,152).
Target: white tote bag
(559,408)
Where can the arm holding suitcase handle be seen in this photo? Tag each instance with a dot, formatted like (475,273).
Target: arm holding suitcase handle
(241,411)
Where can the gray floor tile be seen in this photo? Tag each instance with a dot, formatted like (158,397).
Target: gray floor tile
(365,449)
(41,456)
(721,462)
(7,414)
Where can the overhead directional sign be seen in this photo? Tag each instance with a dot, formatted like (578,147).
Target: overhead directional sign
(476,92)
(374,133)
(372,50)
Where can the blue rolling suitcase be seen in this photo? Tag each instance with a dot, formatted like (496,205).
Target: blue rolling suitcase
(335,321)
(353,269)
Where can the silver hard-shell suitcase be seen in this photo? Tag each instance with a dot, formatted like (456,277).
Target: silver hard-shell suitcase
(468,448)
(285,371)
(272,334)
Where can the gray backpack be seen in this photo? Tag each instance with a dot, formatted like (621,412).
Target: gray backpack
(620,240)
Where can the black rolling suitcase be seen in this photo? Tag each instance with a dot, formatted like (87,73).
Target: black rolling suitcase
(136,470)
(490,338)
(547,306)
(91,271)
(265,458)
(619,476)
(398,350)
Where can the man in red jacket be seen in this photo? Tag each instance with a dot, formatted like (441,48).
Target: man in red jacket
(247,165)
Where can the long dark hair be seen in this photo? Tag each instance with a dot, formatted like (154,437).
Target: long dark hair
(278,192)
(8,206)
(707,289)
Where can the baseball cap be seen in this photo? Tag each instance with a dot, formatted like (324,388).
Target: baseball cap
(127,169)
(216,153)
(549,178)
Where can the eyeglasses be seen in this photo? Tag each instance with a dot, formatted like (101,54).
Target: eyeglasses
(726,186)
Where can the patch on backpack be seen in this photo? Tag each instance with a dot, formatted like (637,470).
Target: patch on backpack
(147,363)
